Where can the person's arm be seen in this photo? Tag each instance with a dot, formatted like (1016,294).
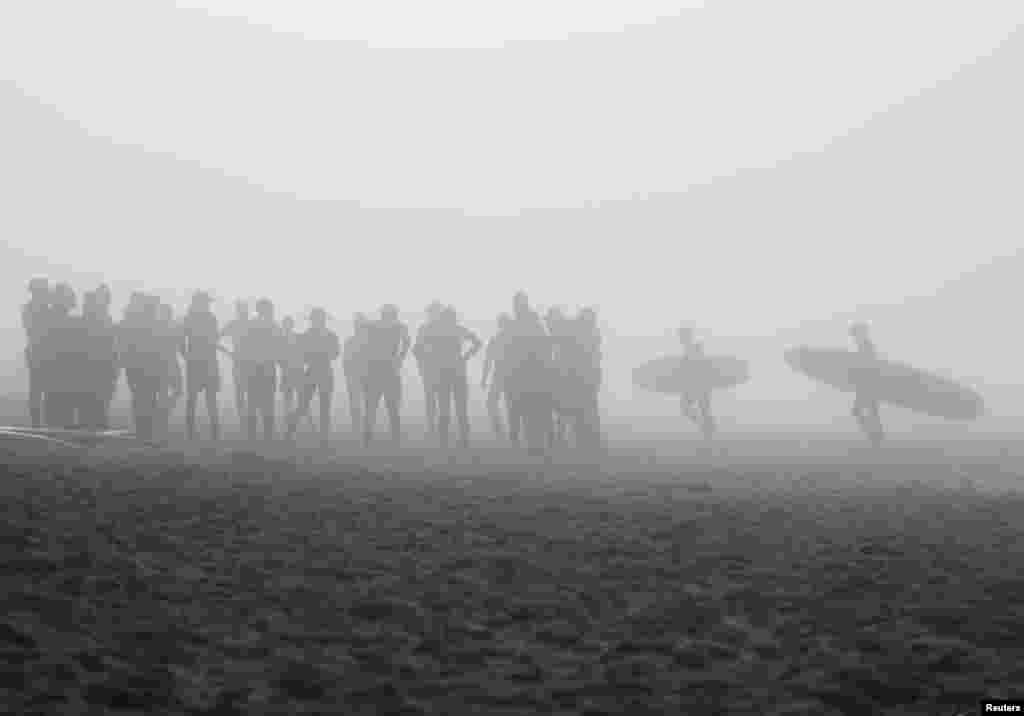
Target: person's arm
(420,347)
(488,363)
(475,346)
(403,349)
(335,349)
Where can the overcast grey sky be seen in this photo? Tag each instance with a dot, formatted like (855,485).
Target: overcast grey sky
(819,155)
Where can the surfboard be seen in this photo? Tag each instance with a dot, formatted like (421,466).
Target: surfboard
(888,382)
(675,375)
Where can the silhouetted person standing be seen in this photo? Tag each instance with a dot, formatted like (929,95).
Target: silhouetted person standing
(263,347)
(493,377)
(354,366)
(63,377)
(292,369)
(590,374)
(235,331)
(172,383)
(200,344)
(528,379)
(387,344)
(428,370)
(443,343)
(141,350)
(319,347)
(100,364)
(103,303)
(696,404)
(865,407)
(35,317)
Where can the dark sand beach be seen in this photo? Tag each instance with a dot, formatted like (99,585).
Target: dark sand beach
(232,583)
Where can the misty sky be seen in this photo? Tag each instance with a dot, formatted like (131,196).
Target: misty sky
(571,105)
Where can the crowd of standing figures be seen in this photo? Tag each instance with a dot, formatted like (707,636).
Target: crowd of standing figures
(542,378)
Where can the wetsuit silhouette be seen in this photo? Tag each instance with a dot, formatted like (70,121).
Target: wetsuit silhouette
(235,331)
(35,315)
(319,347)
(100,365)
(141,352)
(292,369)
(172,385)
(561,341)
(428,370)
(585,358)
(353,364)
(865,407)
(494,370)
(262,347)
(528,377)
(442,345)
(696,404)
(199,347)
(63,379)
(387,344)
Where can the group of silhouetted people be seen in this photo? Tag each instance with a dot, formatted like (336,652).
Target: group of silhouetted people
(542,377)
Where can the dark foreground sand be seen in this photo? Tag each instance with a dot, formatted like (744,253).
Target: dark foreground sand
(248,586)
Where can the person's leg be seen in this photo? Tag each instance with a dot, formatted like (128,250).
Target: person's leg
(514,404)
(326,404)
(445,390)
(461,396)
(393,397)
(372,393)
(190,410)
(494,396)
(302,410)
(353,389)
(35,394)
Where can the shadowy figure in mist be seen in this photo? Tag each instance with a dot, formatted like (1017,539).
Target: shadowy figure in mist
(291,365)
(63,381)
(865,407)
(441,343)
(387,344)
(262,348)
(99,361)
(559,331)
(199,346)
(142,354)
(353,364)
(696,404)
(35,317)
(428,369)
(319,348)
(494,371)
(172,383)
(235,331)
(528,378)
(588,374)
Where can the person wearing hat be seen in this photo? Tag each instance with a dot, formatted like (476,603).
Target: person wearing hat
(865,407)
(427,366)
(34,319)
(319,347)
(387,345)
(263,346)
(199,347)
(352,361)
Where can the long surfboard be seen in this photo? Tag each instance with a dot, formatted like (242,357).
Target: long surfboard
(675,375)
(888,382)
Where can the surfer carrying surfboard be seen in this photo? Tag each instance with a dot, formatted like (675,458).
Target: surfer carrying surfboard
(696,404)
(865,406)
